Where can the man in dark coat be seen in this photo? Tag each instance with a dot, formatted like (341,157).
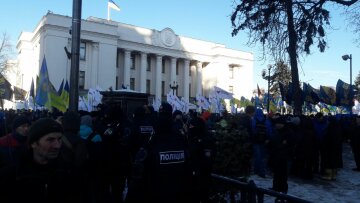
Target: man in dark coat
(13,145)
(202,149)
(167,172)
(355,143)
(279,152)
(331,152)
(42,176)
(116,153)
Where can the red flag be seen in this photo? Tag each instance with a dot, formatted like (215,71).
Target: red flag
(258,89)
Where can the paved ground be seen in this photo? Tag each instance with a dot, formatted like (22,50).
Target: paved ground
(345,189)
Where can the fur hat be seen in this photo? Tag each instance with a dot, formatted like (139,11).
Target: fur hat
(19,120)
(43,127)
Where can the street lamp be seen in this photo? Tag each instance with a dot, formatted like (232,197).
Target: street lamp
(174,87)
(75,49)
(346,57)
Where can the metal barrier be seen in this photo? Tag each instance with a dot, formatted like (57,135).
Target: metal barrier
(250,193)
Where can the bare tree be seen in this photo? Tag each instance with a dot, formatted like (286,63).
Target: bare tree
(353,17)
(5,52)
(285,29)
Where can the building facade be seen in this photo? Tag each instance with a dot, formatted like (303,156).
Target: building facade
(118,55)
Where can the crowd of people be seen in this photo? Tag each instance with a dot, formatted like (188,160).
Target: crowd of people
(105,157)
(163,156)
(304,146)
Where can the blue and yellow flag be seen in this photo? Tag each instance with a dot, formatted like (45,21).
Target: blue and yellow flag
(327,95)
(61,87)
(65,94)
(54,100)
(46,94)
(310,94)
(43,85)
(343,96)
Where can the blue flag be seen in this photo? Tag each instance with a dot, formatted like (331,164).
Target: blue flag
(32,88)
(43,88)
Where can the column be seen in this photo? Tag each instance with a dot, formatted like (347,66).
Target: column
(199,78)
(158,77)
(94,66)
(186,79)
(127,61)
(173,70)
(143,72)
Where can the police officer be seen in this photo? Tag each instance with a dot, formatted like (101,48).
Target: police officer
(202,147)
(167,172)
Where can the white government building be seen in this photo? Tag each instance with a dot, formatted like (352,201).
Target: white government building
(114,54)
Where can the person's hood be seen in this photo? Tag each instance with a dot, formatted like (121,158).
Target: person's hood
(85,131)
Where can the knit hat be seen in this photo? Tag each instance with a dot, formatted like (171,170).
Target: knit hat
(19,120)
(43,127)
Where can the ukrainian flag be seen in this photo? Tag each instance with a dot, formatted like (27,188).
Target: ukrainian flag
(343,94)
(65,94)
(327,95)
(310,94)
(46,94)
(54,100)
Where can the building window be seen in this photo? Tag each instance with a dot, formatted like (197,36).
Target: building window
(132,83)
(231,89)
(177,67)
(148,86)
(132,58)
(148,65)
(162,88)
(81,80)
(231,72)
(163,66)
(82,53)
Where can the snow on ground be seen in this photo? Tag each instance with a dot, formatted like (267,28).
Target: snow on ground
(345,189)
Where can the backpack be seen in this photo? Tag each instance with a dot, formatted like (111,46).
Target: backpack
(260,132)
